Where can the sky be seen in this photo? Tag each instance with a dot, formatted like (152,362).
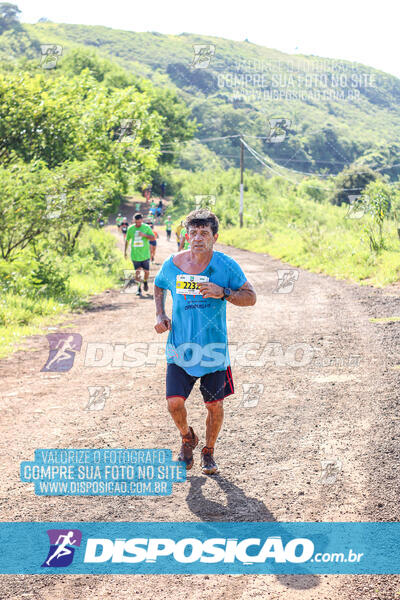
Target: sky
(364,32)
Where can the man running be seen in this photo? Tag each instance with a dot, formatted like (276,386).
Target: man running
(168,227)
(178,233)
(139,234)
(118,220)
(63,347)
(200,280)
(184,241)
(147,194)
(62,549)
(152,209)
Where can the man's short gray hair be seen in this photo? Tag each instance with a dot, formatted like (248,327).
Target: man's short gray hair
(201,218)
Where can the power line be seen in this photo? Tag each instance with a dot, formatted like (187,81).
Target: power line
(233,136)
(259,158)
(254,153)
(212,139)
(262,160)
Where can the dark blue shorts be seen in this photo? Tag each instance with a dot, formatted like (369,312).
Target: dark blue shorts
(142,264)
(153,242)
(213,386)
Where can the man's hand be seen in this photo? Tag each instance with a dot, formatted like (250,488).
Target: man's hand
(211,290)
(163,323)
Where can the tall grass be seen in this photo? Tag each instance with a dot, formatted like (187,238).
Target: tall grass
(294,222)
(33,297)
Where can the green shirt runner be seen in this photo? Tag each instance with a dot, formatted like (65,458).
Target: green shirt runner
(186,244)
(140,247)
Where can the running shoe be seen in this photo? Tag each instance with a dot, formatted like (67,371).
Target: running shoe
(189,442)
(208,464)
(139,291)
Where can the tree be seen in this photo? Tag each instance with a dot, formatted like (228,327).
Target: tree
(8,16)
(80,190)
(40,117)
(313,188)
(22,205)
(80,59)
(36,201)
(119,78)
(377,198)
(177,126)
(382,157)
(60,155)
(59,118)
(351,182)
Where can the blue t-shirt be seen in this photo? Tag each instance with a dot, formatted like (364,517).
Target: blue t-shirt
(198,339)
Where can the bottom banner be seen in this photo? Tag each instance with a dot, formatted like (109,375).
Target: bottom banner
(203,548)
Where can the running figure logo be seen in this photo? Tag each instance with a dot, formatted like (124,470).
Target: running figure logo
(330,470)
(58,203)
(62,542)
(358,206)
(127,130)
(252,393)
(50,54)
(98,394)
(286,280)
(278,130)
(129,282)
(203,54)
(62,351)
(205,201)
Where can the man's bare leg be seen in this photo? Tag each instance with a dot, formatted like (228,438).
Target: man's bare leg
(215,417)
(137,277)
(177,410)
(139,280)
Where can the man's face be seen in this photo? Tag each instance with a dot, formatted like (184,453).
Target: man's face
(201,238)
(138,222)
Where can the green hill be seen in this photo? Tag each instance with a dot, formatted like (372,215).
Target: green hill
(340,112)
(336,112)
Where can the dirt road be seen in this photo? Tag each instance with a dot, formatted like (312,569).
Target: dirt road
(341,406)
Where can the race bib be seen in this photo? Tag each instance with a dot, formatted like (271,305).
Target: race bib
(138,241)
(189,284)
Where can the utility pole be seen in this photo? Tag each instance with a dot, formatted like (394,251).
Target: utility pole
(241,183)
